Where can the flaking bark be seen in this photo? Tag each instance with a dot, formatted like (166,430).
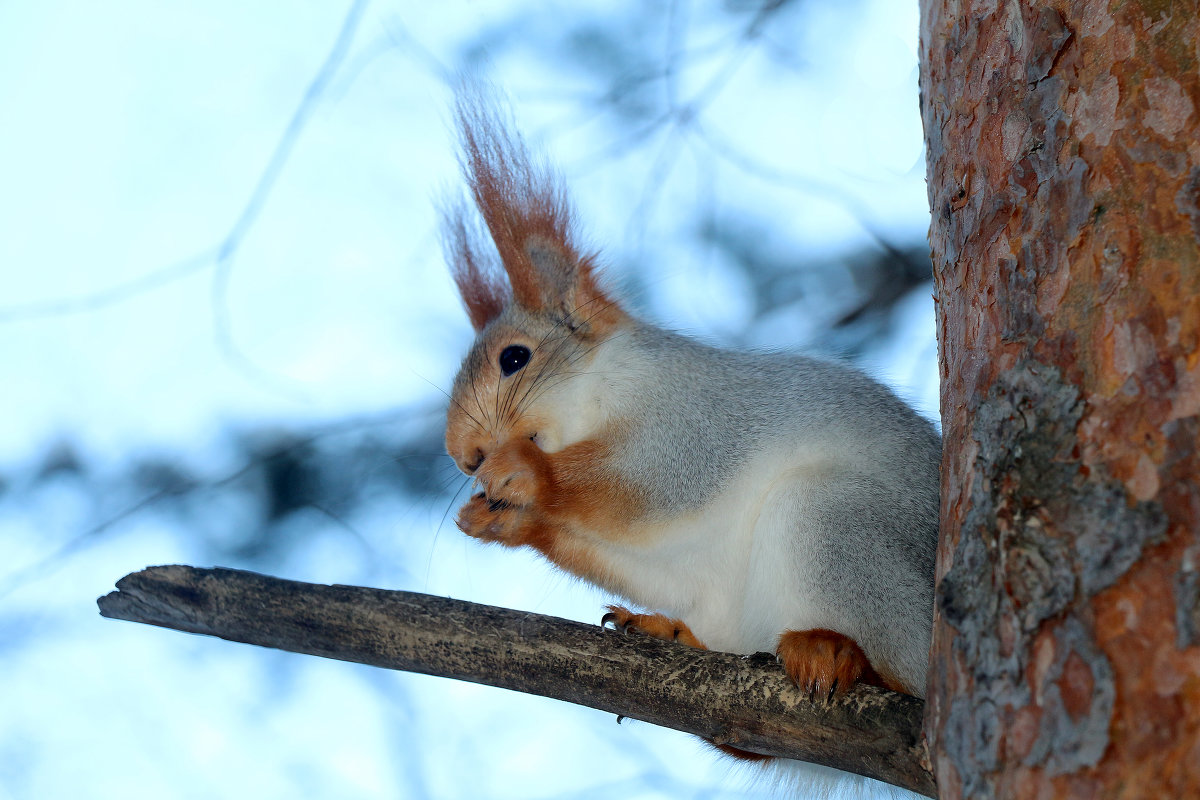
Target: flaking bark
(729,699)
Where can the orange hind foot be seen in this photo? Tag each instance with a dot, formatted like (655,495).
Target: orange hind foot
(824,663)
(659,626)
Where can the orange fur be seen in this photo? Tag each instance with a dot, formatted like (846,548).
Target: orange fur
(528,527)
(599,311)
(516,472)
(517,200)
(571,485)
(525,210)
(475,269)
(536,498)
(824,662)
(658,626)
(584,491)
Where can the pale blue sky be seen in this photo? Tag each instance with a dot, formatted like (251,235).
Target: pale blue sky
(134,136)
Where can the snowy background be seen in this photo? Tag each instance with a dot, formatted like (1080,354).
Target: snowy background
(225,325)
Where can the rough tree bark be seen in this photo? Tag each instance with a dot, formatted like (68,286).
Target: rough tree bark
(726,698)
(1063,146)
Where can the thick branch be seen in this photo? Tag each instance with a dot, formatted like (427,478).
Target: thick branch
(729,699)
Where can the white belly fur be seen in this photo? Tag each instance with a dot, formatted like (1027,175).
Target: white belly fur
(733,571)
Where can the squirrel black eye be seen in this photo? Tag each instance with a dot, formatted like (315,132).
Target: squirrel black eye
(513,358)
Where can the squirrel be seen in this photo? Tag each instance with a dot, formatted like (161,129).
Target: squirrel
(748,501)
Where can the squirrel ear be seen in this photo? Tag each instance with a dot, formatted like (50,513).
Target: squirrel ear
(475,267)
(525,210)
(569,286)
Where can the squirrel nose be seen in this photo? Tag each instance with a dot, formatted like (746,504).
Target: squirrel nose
(470,468)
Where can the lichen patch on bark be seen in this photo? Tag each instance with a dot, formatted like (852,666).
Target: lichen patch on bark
(1040,537)
(1063,144)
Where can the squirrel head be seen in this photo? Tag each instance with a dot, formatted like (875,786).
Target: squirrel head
(535,303)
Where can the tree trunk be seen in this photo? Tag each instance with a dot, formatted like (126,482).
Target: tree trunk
(1063,146)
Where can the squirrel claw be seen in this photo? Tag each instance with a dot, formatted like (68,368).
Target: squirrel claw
(658,626)
(824,664)
(489,520)
(612,621)
(510,474)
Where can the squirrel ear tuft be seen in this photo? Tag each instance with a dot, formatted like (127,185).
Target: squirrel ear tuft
(474,266)
(525,209)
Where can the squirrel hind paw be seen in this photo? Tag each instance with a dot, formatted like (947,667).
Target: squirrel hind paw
(658,626)
(824,663)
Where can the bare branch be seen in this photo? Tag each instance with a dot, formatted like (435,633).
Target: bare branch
(746,702)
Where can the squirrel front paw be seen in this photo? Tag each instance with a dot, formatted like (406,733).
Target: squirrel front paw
(824,663)
(491,520)
(513,473)
(659,626)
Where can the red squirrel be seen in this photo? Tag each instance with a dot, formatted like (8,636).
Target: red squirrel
(748,501)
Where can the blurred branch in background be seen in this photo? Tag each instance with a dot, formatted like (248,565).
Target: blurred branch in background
(745,702)
(282,479)
(220,257)
(335,469)
(206,199)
